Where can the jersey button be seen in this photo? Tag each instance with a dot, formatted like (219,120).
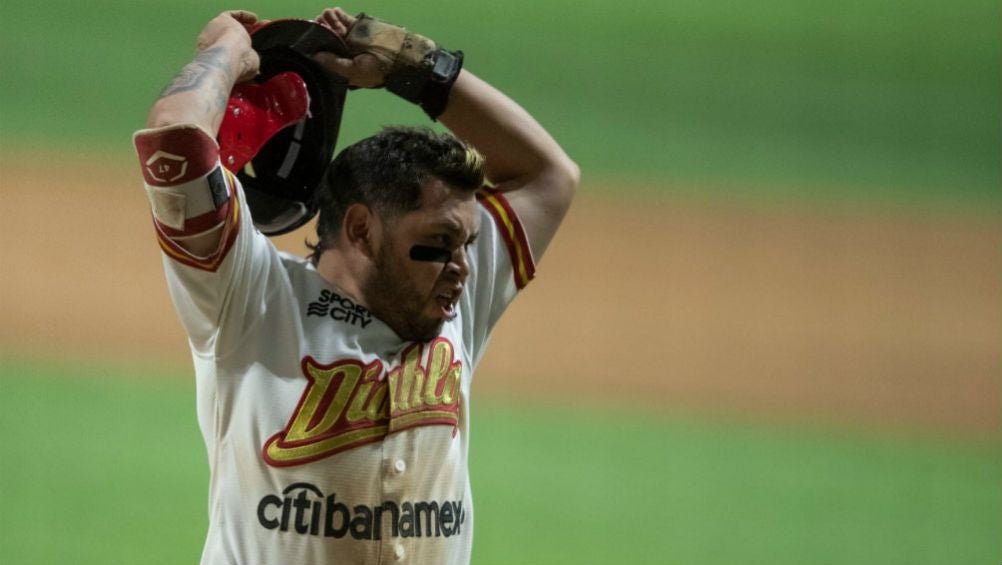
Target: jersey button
(398,552)
(399,466)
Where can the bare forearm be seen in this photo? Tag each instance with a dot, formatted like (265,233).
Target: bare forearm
(515,144)
(198,94)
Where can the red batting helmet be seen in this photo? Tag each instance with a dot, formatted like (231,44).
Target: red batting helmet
(279,132)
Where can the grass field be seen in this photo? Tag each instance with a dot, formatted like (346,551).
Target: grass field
(102,466)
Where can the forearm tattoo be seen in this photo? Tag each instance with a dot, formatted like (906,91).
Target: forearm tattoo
(200,73)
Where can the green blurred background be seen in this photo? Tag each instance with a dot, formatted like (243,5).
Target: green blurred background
(880,96)
(865,102)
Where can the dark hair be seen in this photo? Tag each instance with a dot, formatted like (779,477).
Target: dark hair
(385,172)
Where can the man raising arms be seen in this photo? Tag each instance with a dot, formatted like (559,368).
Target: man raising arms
(333,392)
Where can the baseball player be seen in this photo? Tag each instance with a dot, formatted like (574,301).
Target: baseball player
(333,392)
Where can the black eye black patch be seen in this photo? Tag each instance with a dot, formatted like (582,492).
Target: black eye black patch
(430,254)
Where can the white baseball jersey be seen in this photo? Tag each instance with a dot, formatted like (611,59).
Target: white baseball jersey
(330,439)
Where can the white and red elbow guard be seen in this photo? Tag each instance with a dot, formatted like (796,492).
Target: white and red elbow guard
(189,191)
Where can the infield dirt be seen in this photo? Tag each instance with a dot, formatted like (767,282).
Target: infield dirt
(842,313)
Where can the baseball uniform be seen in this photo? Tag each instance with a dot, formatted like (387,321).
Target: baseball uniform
(330,439)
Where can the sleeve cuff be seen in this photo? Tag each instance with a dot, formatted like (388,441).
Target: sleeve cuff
(523,266)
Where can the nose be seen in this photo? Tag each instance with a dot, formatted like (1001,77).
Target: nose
(459,265)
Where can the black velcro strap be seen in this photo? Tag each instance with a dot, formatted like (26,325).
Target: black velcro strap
(436,93)
(429,85)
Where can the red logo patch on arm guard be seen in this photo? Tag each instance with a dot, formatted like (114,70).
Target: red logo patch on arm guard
(175,155)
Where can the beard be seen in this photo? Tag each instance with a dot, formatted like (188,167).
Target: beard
(394,299)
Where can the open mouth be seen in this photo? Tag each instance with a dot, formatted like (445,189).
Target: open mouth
(447,302)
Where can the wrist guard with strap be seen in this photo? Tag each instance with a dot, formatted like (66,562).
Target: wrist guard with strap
(417,69)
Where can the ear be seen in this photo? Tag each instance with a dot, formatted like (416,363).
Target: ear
(359,228)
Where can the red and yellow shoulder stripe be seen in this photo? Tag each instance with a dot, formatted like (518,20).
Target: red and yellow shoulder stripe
(512,233)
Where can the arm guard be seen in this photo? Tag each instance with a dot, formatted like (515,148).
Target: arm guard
(188,191)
